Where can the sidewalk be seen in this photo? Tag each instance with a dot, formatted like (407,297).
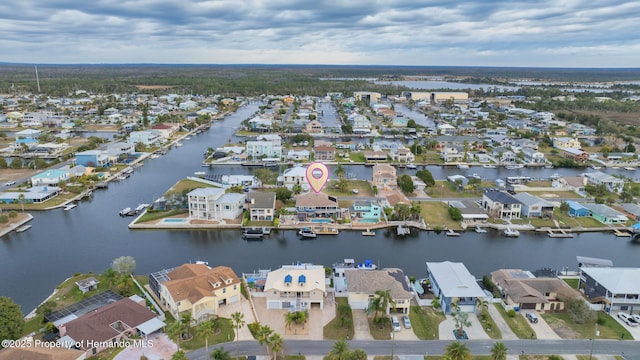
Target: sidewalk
(507,333)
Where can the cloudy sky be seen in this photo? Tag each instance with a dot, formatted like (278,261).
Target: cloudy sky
(575,33)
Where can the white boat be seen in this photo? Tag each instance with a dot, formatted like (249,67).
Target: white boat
(127,170)
(141,207)
(253,234)
(402,230)
(412,166)
(596,167)
(511,232)
(513,167)
(630,168)
(489,166)
(125,211)
(178,144)
(188,138)
(154,156)
(122,177)
(480,230)
(23,228)
(548,166)
(463,166)
(452,233)
(368,233)
(69,207)
(307,233)
(555,176)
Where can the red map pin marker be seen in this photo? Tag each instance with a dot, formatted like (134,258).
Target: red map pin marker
(317,176)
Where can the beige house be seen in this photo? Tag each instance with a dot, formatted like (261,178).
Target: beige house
(566,143)
(384,177)
(363,284)
(295,287)
(199,289)
(521,288)
(314,127)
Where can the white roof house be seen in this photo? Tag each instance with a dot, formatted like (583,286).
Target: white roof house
(453,283)
(615,279)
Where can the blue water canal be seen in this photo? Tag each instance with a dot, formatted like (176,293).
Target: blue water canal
(90,236)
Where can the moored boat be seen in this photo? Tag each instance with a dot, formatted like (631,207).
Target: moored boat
(368,233)
(452,233)
(509,232)
(253,234)
(412,166)
(125,211)
(480,230)
(69,206)
(23,228)
(307,233)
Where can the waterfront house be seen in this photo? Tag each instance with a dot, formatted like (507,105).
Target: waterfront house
(524,290)
(316,205)
(458,180)
(470,211)
(577,209)
(215,204)
(615,288)
(451,154)
(566,143)
(403,155)
(368,97)
(166,130)
(296,175)
(365,211)
(324,151)
(120,149)
(570,183)
(266,146)
(576,155)
(92,158)
(501,205)
(612,183)
(467,129)
(314,127)
(50,177)
(246,181)
(196,289)
(28,136)
(532,156)
(296,287)
(363,284)
(145,137)
(631,210)
(533,206)
(109,324)
(262,206)
(298,155)
(399,121)
(452,283)
(605,214)
(33,195)
(447,129)
(375,156)
(384,177)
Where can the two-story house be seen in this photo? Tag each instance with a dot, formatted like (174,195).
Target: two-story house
(365,211)
(566,142)
(295,287)
(615,288)
(316,205)
(363,284)
(384,177)
(324,151)
(501,205)
(215,204)
(612,183)
(262,206)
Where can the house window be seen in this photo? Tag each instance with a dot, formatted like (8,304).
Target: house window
(234,287)
(224,291)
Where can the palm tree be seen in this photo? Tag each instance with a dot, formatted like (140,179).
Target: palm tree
(174,330)
(263,335)
(457,351)
(435,302)
(340,171)
(499,351)
(21,199)
(339,350)
(462,321)
(220,354)
(185,319)
(301,317)
(482,304)
(179,355)
(276,344)
(289,318)
(237,320)
(207,328)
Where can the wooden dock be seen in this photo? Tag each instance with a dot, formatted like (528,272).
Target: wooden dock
(325,230)
(621,233)
(558,233)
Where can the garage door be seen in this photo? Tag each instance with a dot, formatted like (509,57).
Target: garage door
(233,299)
(358,304)
(528,306)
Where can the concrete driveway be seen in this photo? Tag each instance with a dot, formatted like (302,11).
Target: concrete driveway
(505,330)
(542,329)
(313,328)
(360,325)
(159,347)
(474,332)
(244,307)
(634,330)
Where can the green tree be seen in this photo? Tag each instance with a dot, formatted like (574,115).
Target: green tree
(263,336)
(179,355)
(457,351)
(339,350)
(174,331)
(358,354)
(276,343)
(220,354)
(455,213)
(564,207)
(16,163)
(579,311)
(405,183)
(340,171)
(289,318)
(21,200)
(283,194)
(186,320)
(207,329)
(380,303)
(11,319)
(462,320)
(4,219)
(3,163)
(124,265)
(237,321)
(499,351)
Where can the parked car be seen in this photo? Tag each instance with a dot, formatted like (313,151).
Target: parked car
(532,318)
(406,322)
(627,319)
(636,317)
(395,324)
(10,183)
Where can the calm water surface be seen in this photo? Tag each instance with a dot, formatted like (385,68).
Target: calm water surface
(90,236)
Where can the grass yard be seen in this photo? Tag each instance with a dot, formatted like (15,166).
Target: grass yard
(518,324)
(551,195)
(357,157)
(442,357)
(225,334)
(363,187)
(185,185)
(489,325)
(609,328)
(380,332)
(436,213)
(155,215)
(565,219)
(341,327)
(572,282)
(445,189)
(425,322)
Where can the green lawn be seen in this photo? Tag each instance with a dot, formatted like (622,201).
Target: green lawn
(518,324)
(572,282)
(609,327)
(445,189)
(436,213)
(225,334)
(442,357)
(380,332)
(363,187)
(356,157)
(566,220)
(489,325)
(155,215)
(338,328)
(184,186)
(425,322)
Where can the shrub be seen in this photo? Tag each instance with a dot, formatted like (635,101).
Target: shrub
(254,328)
(511,313)
(13,214)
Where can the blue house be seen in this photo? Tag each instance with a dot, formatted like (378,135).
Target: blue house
(366,211)
(452,283)
(92,158)
(577,210)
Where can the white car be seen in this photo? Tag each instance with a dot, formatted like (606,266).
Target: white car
(10,183)
(627,319)
(636,317)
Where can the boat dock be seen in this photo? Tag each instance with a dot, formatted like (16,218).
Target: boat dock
(621,233)
(452,233)
(325,230)
(558,233)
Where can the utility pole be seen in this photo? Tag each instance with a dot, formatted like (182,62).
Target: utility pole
(393,338)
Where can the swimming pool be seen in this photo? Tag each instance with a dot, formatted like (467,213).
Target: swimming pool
(174,220)
(369,221)
(321,221)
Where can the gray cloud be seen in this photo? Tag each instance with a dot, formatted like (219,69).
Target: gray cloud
(488,32)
